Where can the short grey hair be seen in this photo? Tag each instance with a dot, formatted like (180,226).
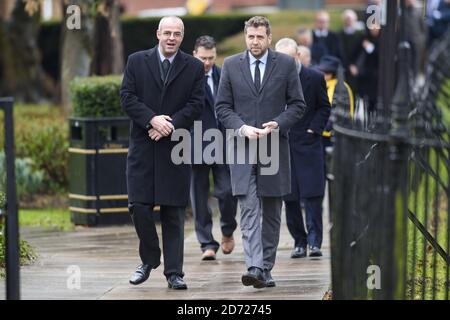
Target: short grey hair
(172,19)
(286,43)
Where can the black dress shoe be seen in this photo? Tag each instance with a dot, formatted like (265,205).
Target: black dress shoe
(254,277)
(269,280)
(176,282)
(141,274)
(299,252)
(315,252)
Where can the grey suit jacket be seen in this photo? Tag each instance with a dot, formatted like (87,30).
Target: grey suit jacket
(279,99)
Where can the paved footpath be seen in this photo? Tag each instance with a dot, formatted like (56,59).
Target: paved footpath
(105,257)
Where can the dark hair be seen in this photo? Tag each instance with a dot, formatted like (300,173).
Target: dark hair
(206,42)
(256,22)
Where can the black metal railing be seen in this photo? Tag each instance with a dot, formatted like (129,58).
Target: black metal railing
(10,210)
(390,211)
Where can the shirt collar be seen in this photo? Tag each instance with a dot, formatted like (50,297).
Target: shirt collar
(349,30)
(210,72)
(263,59)
(162,58)
(321,33)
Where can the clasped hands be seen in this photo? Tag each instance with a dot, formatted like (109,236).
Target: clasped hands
(255,133)
(161,127)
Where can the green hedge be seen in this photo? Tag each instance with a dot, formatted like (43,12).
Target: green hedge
(96,96)
(140,34)
(41,134)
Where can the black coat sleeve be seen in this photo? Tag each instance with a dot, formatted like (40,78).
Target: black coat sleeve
(139,112)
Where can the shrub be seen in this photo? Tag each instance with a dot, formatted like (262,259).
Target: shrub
(96,96)
(41,134)
(29,181)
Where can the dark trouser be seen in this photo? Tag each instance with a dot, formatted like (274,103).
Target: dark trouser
(172,224)
(314,225)
(200,208)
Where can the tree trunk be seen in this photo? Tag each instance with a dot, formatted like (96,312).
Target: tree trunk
(22,73)
(96,49)
(108,54)
(77,50)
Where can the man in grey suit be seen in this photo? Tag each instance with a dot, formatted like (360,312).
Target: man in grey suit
(260,96)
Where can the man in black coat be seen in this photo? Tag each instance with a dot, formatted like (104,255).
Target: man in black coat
(307,159)
(205,51)
(162,90)
(325,42)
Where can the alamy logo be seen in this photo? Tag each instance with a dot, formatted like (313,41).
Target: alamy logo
(73,21)
(74,279)
(239,150)
(374,278)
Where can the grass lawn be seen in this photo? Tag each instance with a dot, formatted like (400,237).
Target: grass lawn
(47,218)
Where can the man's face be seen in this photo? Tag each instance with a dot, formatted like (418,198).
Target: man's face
(322,22)
(170,37)
(207,56)
(305,39)
(257,41)
(349,21)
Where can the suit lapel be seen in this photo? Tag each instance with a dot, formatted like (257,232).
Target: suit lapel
(271,63)
(151,59)
(245,69)
(178,65)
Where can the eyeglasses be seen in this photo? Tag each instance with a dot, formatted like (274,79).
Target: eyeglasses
(168,34)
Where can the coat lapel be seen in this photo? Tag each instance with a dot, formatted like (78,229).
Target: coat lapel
(178,65)
(151,59)
(271,63)
(245,69)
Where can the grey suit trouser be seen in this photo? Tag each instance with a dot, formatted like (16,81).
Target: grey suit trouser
(260,240)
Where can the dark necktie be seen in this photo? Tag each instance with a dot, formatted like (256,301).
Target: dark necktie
(257,75)
(208,88)
(166,67)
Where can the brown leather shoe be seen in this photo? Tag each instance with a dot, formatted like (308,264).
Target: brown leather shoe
(227,244)
(209,254)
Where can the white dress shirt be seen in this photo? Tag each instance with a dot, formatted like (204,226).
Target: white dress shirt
(262,65)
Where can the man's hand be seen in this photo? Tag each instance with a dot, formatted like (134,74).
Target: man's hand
(155,134)
(250,132)
(162,124)
(269,127)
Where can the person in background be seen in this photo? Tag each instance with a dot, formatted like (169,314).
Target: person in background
(304,37)
(305,56)
(337,90)
(366,68)
(307,159)
(205,50)
(350,37)
(325,42)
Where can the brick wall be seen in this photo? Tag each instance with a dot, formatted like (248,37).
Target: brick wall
(134,6)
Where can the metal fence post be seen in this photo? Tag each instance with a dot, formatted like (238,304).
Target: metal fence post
(399,147)
(12,220)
